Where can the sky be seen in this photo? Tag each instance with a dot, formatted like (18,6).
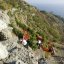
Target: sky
(55,6)
(58,2)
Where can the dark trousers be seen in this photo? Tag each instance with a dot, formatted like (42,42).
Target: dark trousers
(38,45)
(26,46)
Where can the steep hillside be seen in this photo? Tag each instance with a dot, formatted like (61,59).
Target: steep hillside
(26,17)
(20,16)
(23,16)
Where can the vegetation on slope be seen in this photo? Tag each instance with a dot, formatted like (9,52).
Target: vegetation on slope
(26,17)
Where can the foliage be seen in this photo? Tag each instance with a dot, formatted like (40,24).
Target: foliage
(17,32)
(32,42)
(31,31)
(56,35)
(21,25)
(37,22)
(43,34)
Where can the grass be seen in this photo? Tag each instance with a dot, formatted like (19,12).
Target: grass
(18,32)
(40,23)
(32,42)
(21,25)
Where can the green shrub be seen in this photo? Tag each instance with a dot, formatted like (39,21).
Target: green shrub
(55,34)
(1,7)
(32,42)
(9,13)
(21,25)
(34,46)
(30,30)
(17,32)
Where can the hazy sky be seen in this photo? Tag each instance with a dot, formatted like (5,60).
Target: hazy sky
(55,6)
(60,2)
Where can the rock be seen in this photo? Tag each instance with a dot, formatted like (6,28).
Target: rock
(4,17)
(2,36)
(7,33)
(1,62)
(42,61)
(3,25)
(3,51)
(20,62)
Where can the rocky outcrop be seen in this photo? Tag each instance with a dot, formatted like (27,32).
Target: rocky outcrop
(18,52)
(3,51)
(4,22)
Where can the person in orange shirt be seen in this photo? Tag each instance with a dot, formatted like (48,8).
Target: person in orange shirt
(26,37)
(48,50)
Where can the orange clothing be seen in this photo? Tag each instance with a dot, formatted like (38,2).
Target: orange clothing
(44,49)
(49,49)
(26,36)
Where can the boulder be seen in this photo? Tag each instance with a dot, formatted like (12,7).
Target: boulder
(20,62)
(3,25)
(3,51)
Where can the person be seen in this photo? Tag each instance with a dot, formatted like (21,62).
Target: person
(50,51)
(39,39)
(50,48)
(26,37)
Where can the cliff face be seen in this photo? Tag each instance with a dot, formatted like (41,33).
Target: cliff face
(16,16)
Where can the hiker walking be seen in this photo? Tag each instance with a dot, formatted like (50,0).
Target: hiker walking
(50,48)
(39,39)
(25,38)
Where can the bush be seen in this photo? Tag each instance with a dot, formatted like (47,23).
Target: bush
(21,25)
(17,32)
(1,7)
(55,34)
(30,30)
(32,43)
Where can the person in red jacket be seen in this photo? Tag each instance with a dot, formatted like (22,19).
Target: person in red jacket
(26,37)
(49,48)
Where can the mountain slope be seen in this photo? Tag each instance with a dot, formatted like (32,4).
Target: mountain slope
(26,17)
(21,16)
